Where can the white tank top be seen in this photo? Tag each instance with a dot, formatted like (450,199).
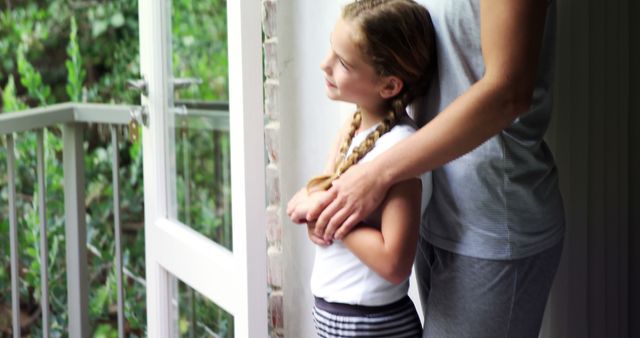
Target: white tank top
(338,275)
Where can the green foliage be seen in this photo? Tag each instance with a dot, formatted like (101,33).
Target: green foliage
(32,80)
(199,31)
(29,228)
(97,42)
(9,99)
(76,73)
(200,317)
(204,181)
(107,40)
(22,25)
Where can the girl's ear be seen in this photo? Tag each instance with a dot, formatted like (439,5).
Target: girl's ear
(391,86)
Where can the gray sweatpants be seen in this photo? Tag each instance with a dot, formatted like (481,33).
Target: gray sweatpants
(464,296)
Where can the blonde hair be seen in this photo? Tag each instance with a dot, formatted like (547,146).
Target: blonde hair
(397,37)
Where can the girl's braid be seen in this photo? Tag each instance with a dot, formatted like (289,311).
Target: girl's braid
(344,147)
(323,182)
(367,144)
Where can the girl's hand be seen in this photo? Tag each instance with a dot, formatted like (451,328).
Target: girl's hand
(300,204)
(296,205)
(297,211)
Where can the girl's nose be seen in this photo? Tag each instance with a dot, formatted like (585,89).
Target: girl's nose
(325,65)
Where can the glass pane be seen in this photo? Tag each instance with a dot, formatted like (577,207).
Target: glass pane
(199,33)
(204,180)
(200,317)
(199,39)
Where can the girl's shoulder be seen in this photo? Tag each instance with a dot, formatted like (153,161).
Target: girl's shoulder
(403,129)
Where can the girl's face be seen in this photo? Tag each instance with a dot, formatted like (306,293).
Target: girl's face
(348,74)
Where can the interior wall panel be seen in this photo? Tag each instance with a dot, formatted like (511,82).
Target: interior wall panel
(634,168)
(591,140)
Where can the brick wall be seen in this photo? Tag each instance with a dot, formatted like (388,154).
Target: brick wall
(272,135)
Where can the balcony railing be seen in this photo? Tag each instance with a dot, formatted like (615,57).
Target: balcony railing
(73,118)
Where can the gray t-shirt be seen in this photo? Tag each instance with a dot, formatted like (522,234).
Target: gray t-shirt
(501,200)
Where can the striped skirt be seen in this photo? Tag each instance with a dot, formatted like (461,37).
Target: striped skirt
(396,320)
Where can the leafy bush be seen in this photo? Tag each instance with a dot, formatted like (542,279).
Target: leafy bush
(56,51)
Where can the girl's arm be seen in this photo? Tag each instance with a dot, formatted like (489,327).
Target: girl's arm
(390,251)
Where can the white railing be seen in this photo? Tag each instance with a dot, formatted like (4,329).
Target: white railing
(73,119)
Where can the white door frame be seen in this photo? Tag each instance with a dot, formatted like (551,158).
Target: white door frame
(236,280)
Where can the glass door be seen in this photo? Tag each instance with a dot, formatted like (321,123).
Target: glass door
(203,168)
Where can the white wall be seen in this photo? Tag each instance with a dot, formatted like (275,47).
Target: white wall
(308,123)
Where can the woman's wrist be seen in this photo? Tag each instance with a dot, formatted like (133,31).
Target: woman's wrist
(385,173)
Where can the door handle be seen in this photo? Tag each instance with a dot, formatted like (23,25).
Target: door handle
(139,85)
(178,83)
(138,114)
(183,82)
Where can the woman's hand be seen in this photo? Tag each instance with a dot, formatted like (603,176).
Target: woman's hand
(318,240)
(358,192)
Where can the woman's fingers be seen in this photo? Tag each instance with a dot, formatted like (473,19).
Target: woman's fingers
(325,216)
(336,222)
(316,239)
(348,224)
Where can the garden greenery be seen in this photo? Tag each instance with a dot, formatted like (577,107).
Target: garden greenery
(84,51)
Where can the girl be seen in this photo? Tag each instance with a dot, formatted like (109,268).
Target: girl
(382,56)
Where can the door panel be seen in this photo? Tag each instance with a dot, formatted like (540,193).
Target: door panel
(185,162)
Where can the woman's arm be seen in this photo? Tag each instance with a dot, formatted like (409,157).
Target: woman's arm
(390,251)
(511,36)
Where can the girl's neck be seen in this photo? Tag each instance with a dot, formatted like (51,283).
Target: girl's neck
(370,117)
